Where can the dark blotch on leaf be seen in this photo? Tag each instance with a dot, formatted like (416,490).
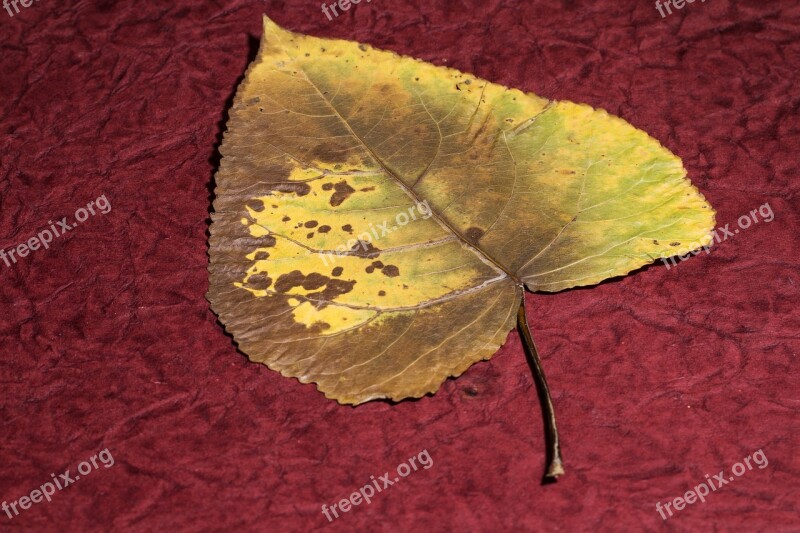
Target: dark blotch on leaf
(324,229)
(333,289)
(365,249)
(348,228)
(287,282)
(259,282)
(474,234)
(391,270)
(328,152)
(342,193)
(337,271)
(260,256)
(299,188)
(267,241)
(314,281)
(256,205)
(311,224)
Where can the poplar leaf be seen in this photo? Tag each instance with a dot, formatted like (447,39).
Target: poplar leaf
(378,218)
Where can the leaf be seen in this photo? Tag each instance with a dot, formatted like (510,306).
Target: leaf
(484,191)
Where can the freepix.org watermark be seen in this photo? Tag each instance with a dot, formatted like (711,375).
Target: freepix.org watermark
(365,493)
(763,213)
(55,230)
(48,489)
(9,4)
(378,232)
(712,484)
(343,5)
(669,4)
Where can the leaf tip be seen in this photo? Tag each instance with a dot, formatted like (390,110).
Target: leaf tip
(270,26)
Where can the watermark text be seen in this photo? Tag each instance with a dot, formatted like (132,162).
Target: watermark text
(368,491)
(48,489)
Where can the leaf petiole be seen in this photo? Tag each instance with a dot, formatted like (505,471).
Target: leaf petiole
(555,466)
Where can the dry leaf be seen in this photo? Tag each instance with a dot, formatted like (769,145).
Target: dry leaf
(450,195)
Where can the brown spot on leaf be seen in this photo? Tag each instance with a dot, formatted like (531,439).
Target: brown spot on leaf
(674,244)
(377,264)
(324,229)
(256,205)
(473,234)
(367,189)
(314,281)
(311,224)
(342,193)
(381,293)
(319,326)
(327,186)
(267,241)
(309,235)
(299,188)
(285,219)
(391,270)
(260,256)
(348,228)
(365,249)
(287,282)
(333,289)
(259,282)
(337,271)
(329,152)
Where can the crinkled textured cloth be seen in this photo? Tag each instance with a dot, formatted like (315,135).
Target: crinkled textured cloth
(658,378)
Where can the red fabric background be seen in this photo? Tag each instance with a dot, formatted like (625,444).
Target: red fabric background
(658,378)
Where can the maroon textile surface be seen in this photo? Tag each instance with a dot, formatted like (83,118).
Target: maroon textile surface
(658,378)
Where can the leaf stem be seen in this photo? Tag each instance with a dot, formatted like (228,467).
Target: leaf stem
(555,466)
